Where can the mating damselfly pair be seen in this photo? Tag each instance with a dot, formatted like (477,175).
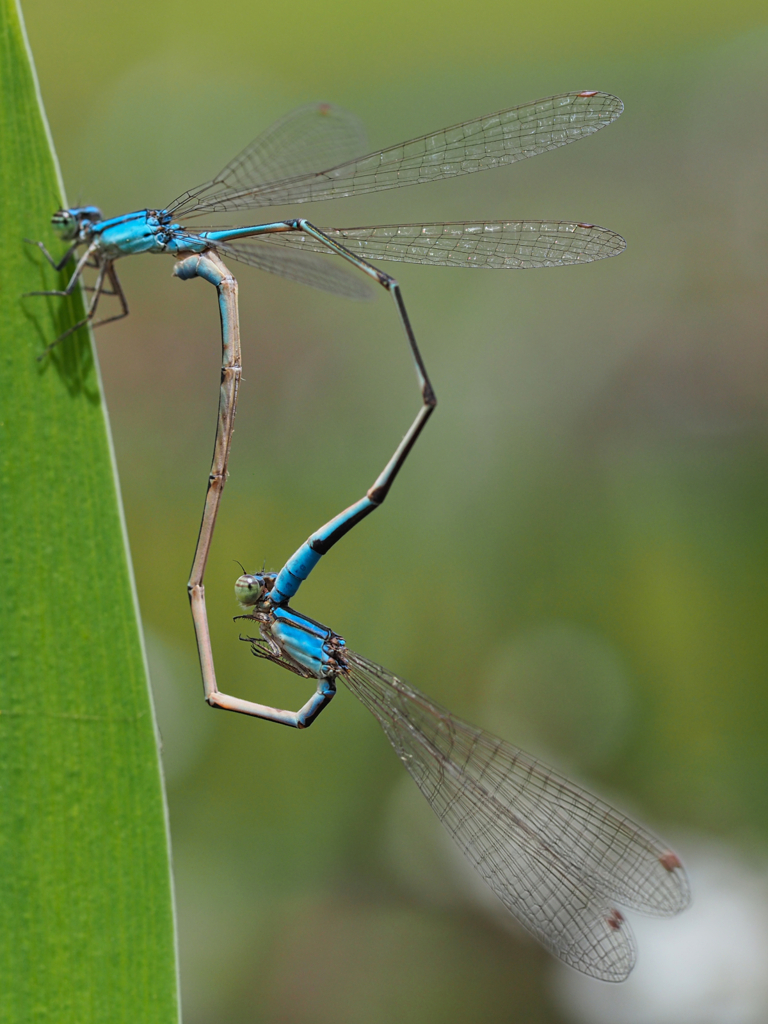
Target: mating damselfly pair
(558,857)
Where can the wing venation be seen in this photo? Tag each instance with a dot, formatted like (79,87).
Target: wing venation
(557,856)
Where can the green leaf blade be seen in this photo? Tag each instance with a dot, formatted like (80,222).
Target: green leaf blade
(86,913)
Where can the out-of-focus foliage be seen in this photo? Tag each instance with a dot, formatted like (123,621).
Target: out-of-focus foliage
(575,554)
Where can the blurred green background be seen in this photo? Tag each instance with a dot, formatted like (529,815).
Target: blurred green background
(576,553)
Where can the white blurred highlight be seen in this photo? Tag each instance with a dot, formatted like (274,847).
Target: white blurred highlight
(707,966)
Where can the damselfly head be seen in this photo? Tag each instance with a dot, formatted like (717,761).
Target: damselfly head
(249,589)
(67,223)
(64,223)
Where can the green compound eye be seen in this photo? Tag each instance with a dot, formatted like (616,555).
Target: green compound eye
(248,590)
(64,223)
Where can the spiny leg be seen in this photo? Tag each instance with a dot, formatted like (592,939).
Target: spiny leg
(92,305)
(76,273)
(301,563)
(56,264)
(117,290)
(106,269)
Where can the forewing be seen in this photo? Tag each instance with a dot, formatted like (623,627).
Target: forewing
(489,245)
(554,854)
(305,141)
(484,142)
(304,267)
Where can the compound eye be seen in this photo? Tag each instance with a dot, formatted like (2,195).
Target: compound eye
(248,590)
(64,223)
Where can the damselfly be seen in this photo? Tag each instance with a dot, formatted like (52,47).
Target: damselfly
(312,155)
(557,856)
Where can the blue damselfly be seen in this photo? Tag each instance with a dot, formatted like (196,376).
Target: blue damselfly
(312,155)
(558,857)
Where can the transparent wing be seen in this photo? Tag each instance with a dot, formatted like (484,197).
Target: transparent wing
(484,142)
(504,244)
(304,267)
(307,140)
(555,855)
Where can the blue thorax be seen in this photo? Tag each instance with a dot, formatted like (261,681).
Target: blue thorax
(309,644)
